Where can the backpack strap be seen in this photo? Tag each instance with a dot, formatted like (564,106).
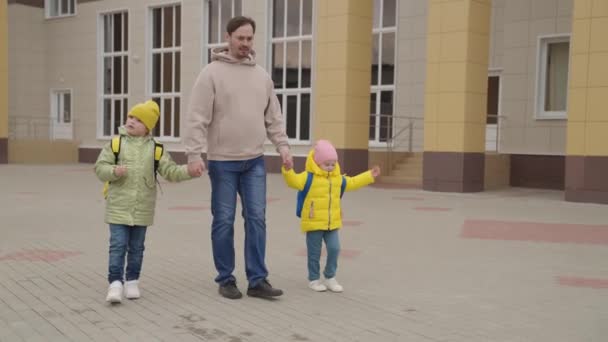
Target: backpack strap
(158,153)
(302,194)
(115,144)
(343,187)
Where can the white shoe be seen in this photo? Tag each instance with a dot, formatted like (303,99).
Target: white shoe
(317,285)
(131,289)
(333,286)
(114,292)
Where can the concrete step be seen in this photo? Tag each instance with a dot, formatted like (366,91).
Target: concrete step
(400,180)
(407,172)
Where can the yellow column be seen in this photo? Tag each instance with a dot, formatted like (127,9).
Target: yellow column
(343,75)
(3,83)
(456,95)
(587,147)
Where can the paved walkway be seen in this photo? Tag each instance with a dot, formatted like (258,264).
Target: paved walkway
(510,265)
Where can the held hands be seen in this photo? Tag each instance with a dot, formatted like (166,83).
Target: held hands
(196,168)
(375,171)
(286,158)
(120,170)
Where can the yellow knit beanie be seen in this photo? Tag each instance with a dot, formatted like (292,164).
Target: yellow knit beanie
(147,112)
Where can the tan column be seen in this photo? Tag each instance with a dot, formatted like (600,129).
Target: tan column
(343,76)
(3,83)
(456,95)
(587,148)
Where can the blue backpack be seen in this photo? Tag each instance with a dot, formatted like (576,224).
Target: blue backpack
(302,193)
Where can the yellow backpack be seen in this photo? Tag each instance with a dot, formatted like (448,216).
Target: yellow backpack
(158,153)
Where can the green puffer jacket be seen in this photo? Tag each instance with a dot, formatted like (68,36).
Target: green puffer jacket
(132,198)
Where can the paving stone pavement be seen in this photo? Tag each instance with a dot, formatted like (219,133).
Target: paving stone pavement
(509,265)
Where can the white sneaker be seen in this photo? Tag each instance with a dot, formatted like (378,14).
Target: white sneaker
(131,289)
(317,285)
(333,286)
(114,292)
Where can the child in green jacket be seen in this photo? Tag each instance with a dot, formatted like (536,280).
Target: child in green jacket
(131,195)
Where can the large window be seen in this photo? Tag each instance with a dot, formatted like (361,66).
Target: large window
(59,8)
(166,68)
(552,80)
(383,70)
(219,12)
(291,63)
(114,37)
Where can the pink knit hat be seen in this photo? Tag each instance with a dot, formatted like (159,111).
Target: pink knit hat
(324,151)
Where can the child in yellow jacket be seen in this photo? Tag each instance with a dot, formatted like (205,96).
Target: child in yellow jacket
(321,186)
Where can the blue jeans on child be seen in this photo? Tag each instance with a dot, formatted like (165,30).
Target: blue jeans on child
(248,179)
(129,241)
(314,241)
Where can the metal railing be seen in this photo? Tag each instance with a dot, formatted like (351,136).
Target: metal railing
(395,131)
(30,127)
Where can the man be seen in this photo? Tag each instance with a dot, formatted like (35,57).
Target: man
(233,108)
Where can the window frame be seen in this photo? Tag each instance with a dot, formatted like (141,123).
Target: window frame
(47,9)
(283,92)
(100,71)
(221,30)
(543,42)
(379,88)
(150,51)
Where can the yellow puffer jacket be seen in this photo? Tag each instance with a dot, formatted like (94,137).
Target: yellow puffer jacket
(321,210)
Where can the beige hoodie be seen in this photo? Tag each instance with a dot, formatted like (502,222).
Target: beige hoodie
(233,108)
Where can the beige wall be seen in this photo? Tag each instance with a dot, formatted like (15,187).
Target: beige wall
(28,95)
(3,72)
(411,70)
(524,22)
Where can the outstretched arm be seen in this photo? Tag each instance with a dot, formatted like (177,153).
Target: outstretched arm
(294,180)
(362,179)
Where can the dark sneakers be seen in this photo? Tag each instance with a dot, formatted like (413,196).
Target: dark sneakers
(264,290)
(229,290)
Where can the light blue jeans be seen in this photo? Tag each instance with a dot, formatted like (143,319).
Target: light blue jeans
(314,241)
(129,241)
(248,179)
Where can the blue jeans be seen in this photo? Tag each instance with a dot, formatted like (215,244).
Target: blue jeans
(248,179)
(314,240)
(129,241)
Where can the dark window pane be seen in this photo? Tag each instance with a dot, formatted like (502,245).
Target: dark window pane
(64,7)
(156,131)
(372,118)
(386,109)
(107,33)
(167,26)
(226,13)
(107,75)
(176,116)
(376,23)
(388,58)
(167,72)
(125,108)
(292,65)
(117,116)
(390,13)
(238,8)
(125,75)
(493,91)
(375,54)
(178,25)
(126,31)
(156,73)
(156,33)
(291,117)
(306,17)
(107,117)
(293,18)
(166,115)
(277,64)
(117,32)
(67,108)
(306,63)
(178,62)
(278,19)
(556,82)
(213,21)
(117,75)
(305,117)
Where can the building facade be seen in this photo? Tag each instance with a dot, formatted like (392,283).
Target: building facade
(455,95)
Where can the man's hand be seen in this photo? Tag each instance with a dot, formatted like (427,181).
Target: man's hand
(286,157)
(376,171)
(196,168)
(120,170)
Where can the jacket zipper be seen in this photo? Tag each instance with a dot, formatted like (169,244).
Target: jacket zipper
(329,208)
